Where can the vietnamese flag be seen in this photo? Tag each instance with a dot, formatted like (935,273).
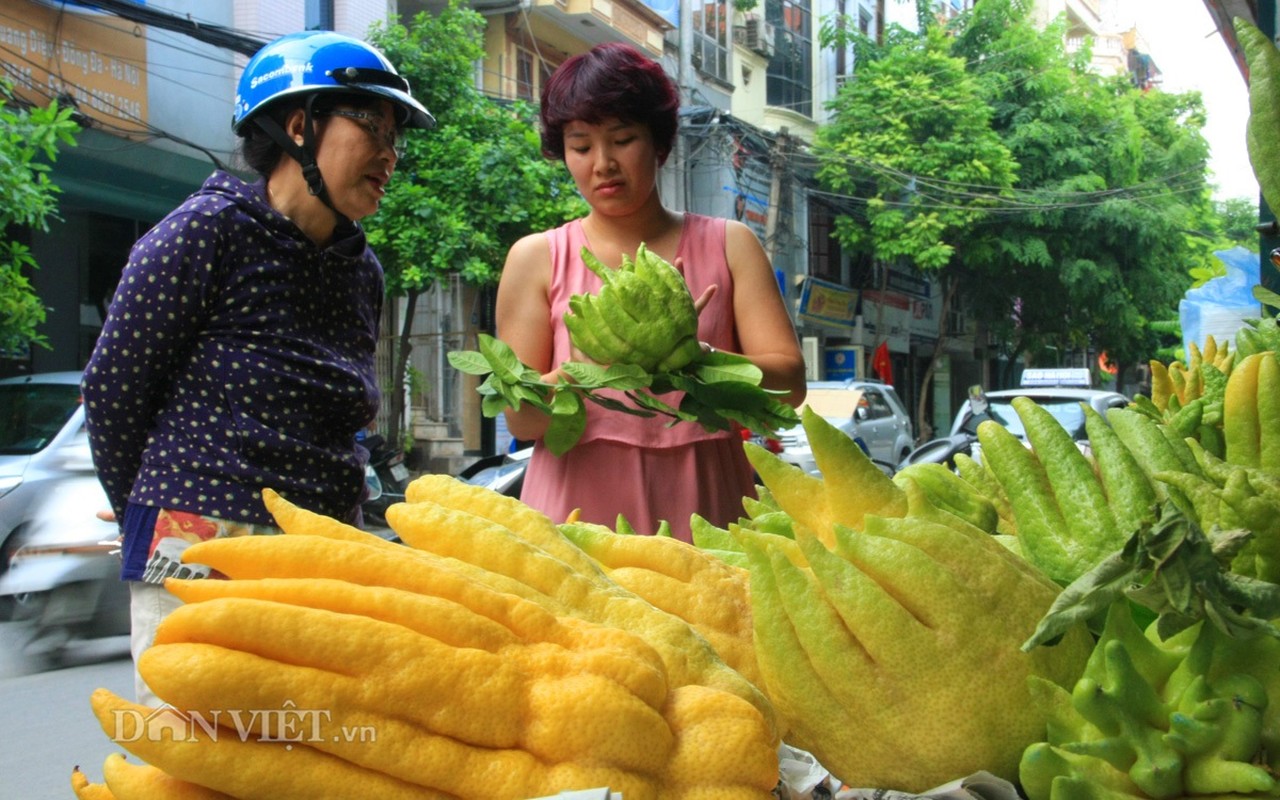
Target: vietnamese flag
(881,364)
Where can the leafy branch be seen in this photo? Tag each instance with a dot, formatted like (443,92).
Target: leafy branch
(721,390)
(1178,572)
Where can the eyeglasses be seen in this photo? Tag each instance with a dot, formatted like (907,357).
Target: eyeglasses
(376,126)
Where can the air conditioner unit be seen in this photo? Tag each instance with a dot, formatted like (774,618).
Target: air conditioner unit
(812,358)
(759,36)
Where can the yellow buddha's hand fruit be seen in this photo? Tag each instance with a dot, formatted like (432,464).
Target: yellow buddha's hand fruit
(451,519)
(684,580)
(851,486)
(892,653)
(123,780)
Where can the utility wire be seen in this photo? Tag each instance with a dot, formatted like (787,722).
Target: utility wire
(210,34)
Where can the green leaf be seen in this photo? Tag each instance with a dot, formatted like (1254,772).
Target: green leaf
(501,358)
(721,367)
(522,393)
(491,405)
(613,404)
(647,400)
(1087,596)
(1261,596)
(470,362)
(1265,296)
(623,377)
(568,421)
(1170,567)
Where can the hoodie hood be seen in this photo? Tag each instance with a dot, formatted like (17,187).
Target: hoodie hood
(223,189)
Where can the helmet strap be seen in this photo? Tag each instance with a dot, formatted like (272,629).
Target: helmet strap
(304,154)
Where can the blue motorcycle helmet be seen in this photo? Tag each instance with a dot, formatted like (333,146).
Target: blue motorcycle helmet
(322,61)
(303,66)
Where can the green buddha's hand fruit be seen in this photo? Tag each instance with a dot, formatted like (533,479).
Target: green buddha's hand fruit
(1264,107)
(643,315)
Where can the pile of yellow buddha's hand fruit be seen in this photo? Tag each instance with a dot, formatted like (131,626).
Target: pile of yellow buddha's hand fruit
(882,624)
(488,658)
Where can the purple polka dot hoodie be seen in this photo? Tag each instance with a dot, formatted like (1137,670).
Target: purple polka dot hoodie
(236,355)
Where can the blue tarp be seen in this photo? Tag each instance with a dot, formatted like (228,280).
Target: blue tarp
(1220,306)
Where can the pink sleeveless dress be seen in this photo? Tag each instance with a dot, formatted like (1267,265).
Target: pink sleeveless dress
(636,466)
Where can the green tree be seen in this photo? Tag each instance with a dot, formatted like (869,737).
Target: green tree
(465,190)
(29,139)
(1064,209)
(1111,188)
(1239,221)
(910,129)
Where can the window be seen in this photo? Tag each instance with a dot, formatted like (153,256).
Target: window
(824,249)
(845,55)
(319,15)
(525,89)
(877,405)
(791,68)
(711,40)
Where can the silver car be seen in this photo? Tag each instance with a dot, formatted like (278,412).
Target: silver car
(59,563)
(869,412)
(1062,402)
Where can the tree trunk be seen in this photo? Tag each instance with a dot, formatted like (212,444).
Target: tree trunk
(399,367)
(924,429)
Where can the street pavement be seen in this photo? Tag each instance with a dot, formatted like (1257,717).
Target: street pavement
(46,727)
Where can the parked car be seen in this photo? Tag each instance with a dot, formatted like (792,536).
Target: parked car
(869,412)
(59,563)
(1058,391)
(1063,402)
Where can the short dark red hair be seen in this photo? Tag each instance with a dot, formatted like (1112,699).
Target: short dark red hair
(611,80)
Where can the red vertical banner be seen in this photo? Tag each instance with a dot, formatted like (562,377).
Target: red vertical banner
(881,364)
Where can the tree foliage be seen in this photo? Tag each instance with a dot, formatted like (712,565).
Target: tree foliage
(1075,200)
(466,190)
(1114,183)
(29,139)
(1236,221)
(911,134)
(910,124)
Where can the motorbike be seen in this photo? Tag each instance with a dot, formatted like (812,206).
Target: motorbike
(503,473)
(386,477)
(942,450)
(63,582)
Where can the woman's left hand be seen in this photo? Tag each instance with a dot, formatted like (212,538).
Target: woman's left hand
(701,301)
(704,298)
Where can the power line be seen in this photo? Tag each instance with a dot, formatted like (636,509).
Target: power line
(218,35)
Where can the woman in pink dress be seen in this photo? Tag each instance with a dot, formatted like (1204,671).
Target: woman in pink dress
(610,114)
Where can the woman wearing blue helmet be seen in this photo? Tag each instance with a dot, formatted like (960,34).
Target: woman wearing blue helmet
(238,351)
(298,82)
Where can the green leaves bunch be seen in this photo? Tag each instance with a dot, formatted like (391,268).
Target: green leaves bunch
(1179,574)
(720,390)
